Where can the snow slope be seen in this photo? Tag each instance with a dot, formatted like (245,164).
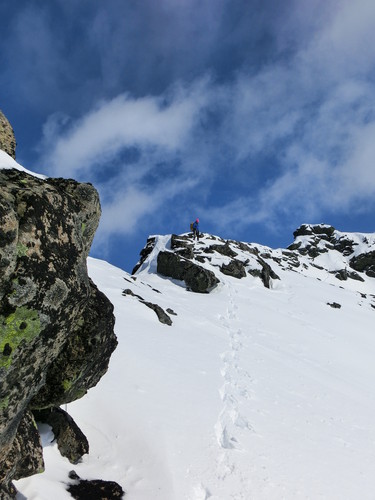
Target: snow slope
(7,162)
(252,393)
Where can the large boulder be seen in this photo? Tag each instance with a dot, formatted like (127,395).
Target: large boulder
(197,278)
(56,328)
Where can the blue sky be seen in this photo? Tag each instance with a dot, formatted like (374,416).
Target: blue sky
(254,115)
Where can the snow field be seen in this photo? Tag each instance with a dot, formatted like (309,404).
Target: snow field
(251,394)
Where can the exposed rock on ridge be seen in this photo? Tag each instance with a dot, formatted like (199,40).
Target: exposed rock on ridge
(196,264)
(316,239)
(202,263)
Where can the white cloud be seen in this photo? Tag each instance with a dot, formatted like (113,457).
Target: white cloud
(148,122)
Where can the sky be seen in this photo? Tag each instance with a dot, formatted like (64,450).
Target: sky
(254,115)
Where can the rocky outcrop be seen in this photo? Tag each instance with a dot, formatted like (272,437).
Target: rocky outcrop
(82,489)
(24,458)
(56,328)
(221,249)
(364,262)
(322,230)
(235,268)
(159,311)
(265,273)
(315,240)
(144,253)
(71,441)
(182,245)
(197,278)
(7,138)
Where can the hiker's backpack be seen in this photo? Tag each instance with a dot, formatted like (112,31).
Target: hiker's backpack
(191,226)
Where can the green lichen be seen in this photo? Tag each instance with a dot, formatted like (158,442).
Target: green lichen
(83,227)
(21,250)
(4,403)
(21,326)
(67,384)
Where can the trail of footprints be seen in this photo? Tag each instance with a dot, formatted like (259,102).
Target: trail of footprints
(234,391)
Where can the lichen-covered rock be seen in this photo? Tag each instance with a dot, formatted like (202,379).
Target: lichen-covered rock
(7,138)
(51,314)
(84,358)
(197,278)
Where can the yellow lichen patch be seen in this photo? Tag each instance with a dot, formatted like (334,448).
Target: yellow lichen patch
(21,326)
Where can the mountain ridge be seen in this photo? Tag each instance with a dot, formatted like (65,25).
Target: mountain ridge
(345,255)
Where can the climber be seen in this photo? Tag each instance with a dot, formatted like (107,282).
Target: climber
(196,229)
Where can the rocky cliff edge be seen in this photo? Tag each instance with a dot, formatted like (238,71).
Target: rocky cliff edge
(56,327)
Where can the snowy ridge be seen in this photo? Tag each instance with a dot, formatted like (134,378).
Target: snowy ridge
(7,162)
(253,392)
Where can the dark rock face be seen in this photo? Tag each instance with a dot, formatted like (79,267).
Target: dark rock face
(182,246)
(25,457)
(56,328)
(265,273)
(7,138)
(159,311)
(235,268)
(84,358)
(222,249)
(344,274)
(70,439)
(197,278)
(144,253)
(334,305)
(82,489)
(318,229)
(364,263)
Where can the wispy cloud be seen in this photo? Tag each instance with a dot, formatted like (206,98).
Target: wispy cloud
(163,122)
